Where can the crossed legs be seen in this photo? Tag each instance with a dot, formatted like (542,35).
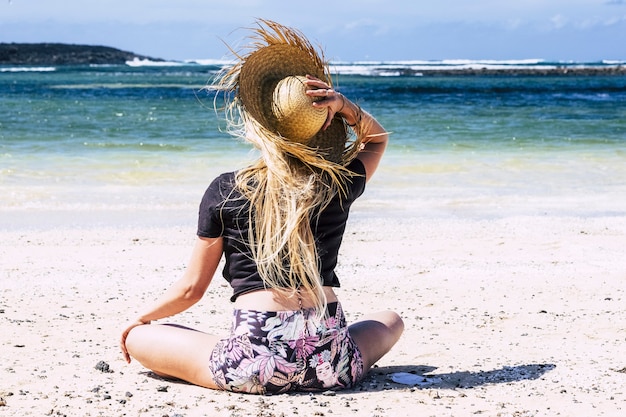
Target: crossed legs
(184,353)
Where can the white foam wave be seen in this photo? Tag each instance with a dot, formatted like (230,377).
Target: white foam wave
(203,62)
(415,67)
(404,67)
(150,63)
(493,62)
(210,62)
(28,69)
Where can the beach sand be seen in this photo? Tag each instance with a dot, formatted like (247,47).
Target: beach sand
(510,316)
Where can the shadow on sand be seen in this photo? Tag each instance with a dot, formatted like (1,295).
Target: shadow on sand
(425,377)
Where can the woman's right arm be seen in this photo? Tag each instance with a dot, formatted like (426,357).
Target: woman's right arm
(375,137)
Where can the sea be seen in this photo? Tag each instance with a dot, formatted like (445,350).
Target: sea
(137,144)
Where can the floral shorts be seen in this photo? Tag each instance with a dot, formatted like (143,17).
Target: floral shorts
(281,351)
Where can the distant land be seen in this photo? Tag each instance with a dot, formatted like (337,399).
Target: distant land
(63,54)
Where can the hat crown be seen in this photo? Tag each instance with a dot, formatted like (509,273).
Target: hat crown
(277,56)
(296,118)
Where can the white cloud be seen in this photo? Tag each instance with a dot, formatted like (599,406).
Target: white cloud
(614,20)
(513,24)
(559,21)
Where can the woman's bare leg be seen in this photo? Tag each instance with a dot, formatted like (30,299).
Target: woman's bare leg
(375,335)
(174,351)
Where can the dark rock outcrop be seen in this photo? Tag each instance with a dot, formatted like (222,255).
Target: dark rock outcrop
(63,54)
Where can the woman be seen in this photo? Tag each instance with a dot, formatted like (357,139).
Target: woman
(279,224)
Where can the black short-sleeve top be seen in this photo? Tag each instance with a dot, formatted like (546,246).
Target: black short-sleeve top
(224,212)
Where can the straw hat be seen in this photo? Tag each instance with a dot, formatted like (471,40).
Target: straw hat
(270,88)
(295,117)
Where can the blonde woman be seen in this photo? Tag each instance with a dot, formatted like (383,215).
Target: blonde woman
(279,224)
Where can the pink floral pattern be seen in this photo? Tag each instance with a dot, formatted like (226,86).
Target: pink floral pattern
(275,352)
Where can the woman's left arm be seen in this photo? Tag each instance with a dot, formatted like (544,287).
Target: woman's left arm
(193,284)
(188,290)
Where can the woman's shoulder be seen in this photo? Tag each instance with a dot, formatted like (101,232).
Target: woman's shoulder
(223,180)
(220,188)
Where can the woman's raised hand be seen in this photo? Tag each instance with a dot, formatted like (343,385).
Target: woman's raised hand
(325,97)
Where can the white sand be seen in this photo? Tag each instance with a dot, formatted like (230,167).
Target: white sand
(522,316)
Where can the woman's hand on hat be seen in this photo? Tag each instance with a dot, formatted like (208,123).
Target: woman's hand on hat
(325,97)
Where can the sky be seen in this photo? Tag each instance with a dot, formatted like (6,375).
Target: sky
(347,30)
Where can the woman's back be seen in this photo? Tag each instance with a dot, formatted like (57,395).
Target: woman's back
(225,212)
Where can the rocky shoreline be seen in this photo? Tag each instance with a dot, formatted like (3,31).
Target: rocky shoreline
(64,54)
(531,71)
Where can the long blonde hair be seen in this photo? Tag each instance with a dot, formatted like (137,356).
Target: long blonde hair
(285,197)
(287,187)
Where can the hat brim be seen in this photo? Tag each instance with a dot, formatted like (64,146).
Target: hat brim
(262,70)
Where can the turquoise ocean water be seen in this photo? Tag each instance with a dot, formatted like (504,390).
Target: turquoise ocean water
(137,144)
